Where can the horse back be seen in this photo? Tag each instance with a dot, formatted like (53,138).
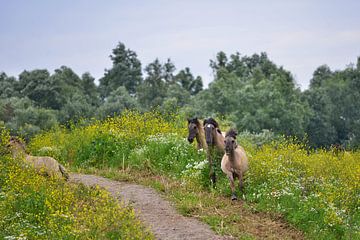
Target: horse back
(242,159)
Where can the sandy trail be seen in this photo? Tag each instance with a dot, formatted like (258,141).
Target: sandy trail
(155,212)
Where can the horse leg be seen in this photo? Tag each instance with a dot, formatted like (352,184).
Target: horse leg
(212,171)
(241,183)
(232,186)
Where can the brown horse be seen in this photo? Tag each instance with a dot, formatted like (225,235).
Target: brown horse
(215,143)
(44,165)
(196,131)
(234,162)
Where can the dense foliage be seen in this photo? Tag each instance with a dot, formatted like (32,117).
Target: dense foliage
(250,91)
(35,207)
(317,191)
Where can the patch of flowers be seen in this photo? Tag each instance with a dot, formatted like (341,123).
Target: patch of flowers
(317,191)
(33,206)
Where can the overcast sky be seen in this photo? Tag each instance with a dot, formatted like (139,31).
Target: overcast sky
(298,35)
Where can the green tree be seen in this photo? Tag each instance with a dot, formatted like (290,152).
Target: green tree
(37,86)
(75,108)
(178,94)
(8,86)
(118,101)
(335,100)
(90,90)
(320,75)
(152,92)
(126,71)
(186,80)
(255,94)
(22,117)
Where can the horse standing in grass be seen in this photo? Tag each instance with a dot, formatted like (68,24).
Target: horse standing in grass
(196,131)
(215,142)
(234,162)
(44,165)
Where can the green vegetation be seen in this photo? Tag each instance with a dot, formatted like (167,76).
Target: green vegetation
(35,207)
(251,92)
(316,191)
(110,129)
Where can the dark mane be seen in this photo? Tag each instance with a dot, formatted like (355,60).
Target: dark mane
(17,140)
(231,133)
(211,121)
(193,120)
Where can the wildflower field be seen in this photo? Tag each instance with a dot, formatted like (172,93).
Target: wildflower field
(35,207)
(318,191)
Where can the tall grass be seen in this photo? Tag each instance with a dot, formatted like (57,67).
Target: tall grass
(36,207)
(317,191)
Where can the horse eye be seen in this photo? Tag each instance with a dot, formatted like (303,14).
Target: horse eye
(194,127)
(233,141)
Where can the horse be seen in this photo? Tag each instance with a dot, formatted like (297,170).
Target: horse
(234,162)
(44,165)
(215,142)
(196,131)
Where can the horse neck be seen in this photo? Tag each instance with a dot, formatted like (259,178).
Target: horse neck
(219,141)
(231,156)
(200,138)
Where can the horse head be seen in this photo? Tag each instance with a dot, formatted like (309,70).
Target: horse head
(211,127)
(16,144)
(193,127)
(230,141)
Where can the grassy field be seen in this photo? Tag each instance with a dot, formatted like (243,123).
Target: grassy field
(318,191)
(36,207)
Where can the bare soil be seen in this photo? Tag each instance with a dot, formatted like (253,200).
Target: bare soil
(156,213)
(163,220)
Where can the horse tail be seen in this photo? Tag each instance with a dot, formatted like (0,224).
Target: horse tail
(64,172)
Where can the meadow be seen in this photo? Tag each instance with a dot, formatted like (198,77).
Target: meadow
(33,206)
(316,191)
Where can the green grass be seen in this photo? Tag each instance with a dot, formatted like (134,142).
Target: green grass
(33,206)
(317,192)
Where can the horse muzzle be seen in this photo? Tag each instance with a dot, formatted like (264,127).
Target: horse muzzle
(209,142)
(190,140)
(227,151)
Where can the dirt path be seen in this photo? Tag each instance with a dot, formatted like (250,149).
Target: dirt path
(154,211)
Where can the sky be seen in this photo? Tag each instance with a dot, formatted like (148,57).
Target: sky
(298,35)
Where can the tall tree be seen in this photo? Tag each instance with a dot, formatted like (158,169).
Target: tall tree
(37,86)
(339,95)
(126,71)
(90,90)
(8,86)
(65,83)
(152,91)
(186,80)
(256,94)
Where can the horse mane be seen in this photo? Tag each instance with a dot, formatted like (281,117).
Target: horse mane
(211,121)
(193,120)
(18,141)
(231,133)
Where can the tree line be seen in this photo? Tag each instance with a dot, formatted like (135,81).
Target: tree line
(251,92)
